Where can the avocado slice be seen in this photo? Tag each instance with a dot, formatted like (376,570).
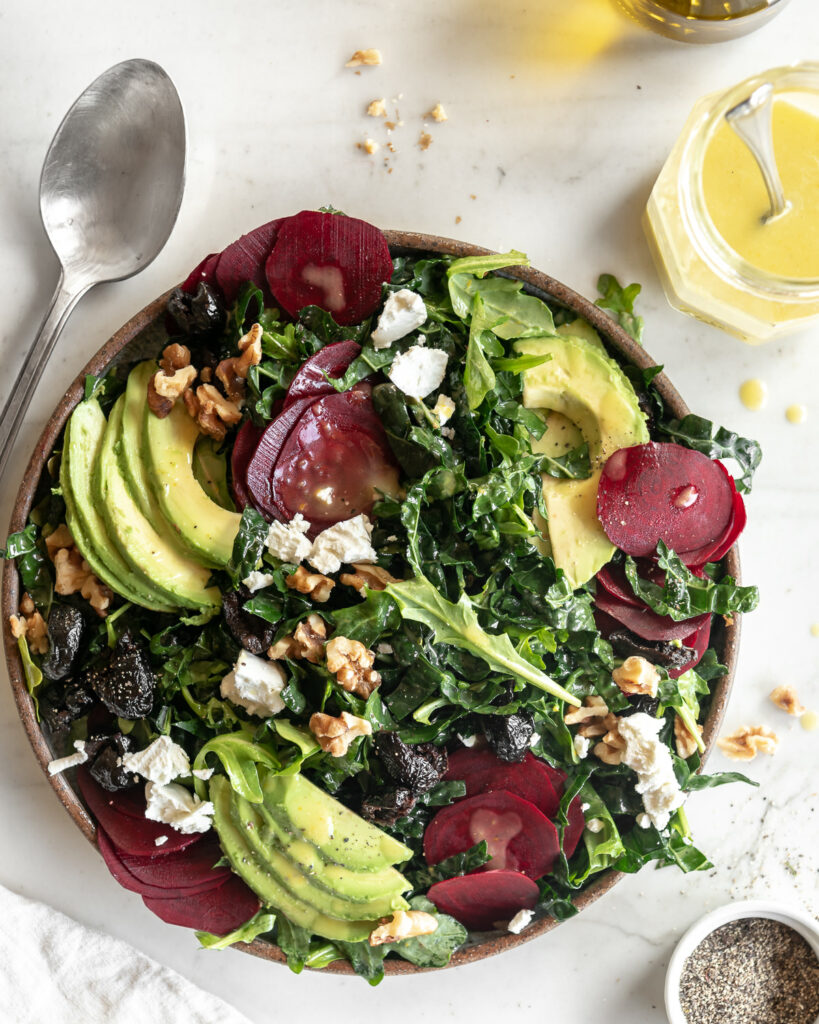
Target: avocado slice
(81,444)
(587,387)
(181,580)
(130,453)
(210,470)
(340,835)
(257,873)
(206,528)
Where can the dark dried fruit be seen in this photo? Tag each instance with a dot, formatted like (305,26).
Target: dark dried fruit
(125,683)
(385,809)
(509,735)
(659,652)
(200,313)
(640,702)
(75,701)
(416,766)
(252,632)
(65,629)
(106,766)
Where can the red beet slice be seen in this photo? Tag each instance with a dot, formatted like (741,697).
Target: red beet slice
(480,901)
(612,578)
(185,869)
(483,771)
(118,870)
(574,829)
(247,440)
(220,910)
(644,622)
(203,272)
(698,642)
(131,834)
(244,260)
(310,380)
(519,836)
(334,262)
(723,544)
(336,461)
(259,472)
(660,491)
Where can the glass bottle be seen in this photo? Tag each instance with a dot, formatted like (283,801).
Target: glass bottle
(703,21)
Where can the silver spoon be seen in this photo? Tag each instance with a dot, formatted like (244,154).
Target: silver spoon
(752,121)
(110,191)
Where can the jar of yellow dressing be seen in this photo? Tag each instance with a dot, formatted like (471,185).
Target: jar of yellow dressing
(717,258)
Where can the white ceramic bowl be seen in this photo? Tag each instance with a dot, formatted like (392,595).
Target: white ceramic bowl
(797,919)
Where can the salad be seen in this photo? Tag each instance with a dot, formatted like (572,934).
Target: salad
(378,612)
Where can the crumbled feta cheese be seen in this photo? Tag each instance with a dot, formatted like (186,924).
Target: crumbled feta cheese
(468,741)
(160,762)
(257,581)
(345,542)
(61,764)
(392,539)
(403,312)
(521,920)
(160,840)
(643,820)
(448,433)
(202,773)
(444,409)
(287,541)
(418,371)
(178,807)
(581,746)
(385,649)
(256,685)
(651,759)
(594,825)
(584,807)
(534,739)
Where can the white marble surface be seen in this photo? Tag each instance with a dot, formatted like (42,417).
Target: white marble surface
(561,113)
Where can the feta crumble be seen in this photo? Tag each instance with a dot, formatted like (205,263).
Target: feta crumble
(160,840)
(160,762)
(345,542)
(176,806)
(468,741)
(403,312)
(448,433)
(521,920)
(202,773)
(256,685)
(257,580)
(385,649)
(594,825)
(581,746)
(287,541)
(444,409)
(643,820)
(62,764)
(419,371)
(651,759)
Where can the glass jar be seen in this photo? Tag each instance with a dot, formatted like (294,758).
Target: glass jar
(703,21)
(701,274)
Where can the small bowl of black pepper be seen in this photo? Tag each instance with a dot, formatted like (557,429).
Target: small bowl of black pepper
(755,962)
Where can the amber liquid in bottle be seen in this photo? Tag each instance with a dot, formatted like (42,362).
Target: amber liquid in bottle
(703,21)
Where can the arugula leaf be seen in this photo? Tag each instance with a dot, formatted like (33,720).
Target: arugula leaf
(367,960)
(620,301)
(480,266)
(697,782)
(295,942)
(239,756)
(259,924)
(369,361)
(372,618)
(683,694)
(699,434)
(479,377)
(435,949)
(34,677)
(457,624)
(603,848)
(459,864)
(248,546)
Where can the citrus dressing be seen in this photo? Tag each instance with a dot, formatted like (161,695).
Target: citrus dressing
(753,393)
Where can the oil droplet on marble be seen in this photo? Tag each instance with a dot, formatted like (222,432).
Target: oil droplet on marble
(814,629)
(796,414)
(753,393)
(810,721)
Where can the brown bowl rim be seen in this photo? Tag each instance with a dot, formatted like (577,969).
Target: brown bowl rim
(621,343)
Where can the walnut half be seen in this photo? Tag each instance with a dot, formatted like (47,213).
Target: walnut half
(747,741)
(31,625)
(74,573)
(367,577)
(404,924)
(637,675)
(786,699)
(352,665)
(335,735)
(314,584)
(306,642)
(684,741)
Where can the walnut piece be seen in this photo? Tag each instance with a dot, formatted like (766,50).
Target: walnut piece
(352,665)
(747,741)
(424,140)
(403,924)
(211,410)
(593,707)
(306,642)
(786,699)
(171,387)
(174,357)
(335,735)
(231,381)
(74,573)
(159,406)
(367,577)
(684,740)
(378,108)
(59,538)
(314,584)
(438,113)
(31,625)
(369,146)
(364,58)
(637,675)
(611,748)
(598,726)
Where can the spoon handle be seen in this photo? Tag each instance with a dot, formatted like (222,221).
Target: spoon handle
(62,302)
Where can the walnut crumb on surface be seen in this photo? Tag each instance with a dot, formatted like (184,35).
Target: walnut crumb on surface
(458,220)
(424,140)
(437,113)
(378,108)
(747,741)
(786,700)
(369,146)
(365,58)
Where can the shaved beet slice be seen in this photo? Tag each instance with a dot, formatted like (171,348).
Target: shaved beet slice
(220,910)
(327,260)
(613,579)
(723,544)
(574,830)
(698,642)
(481,901)
(247,440)
(335,463)
(244,260)
(120,865)
(259,473)
(518,835)
(191,868)
(646,623)
(662,491)
(118,870)
(310,381)
(483,771)
(131,834)
(203,272)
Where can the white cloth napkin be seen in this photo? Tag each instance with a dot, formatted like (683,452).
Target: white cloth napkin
(54,970)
